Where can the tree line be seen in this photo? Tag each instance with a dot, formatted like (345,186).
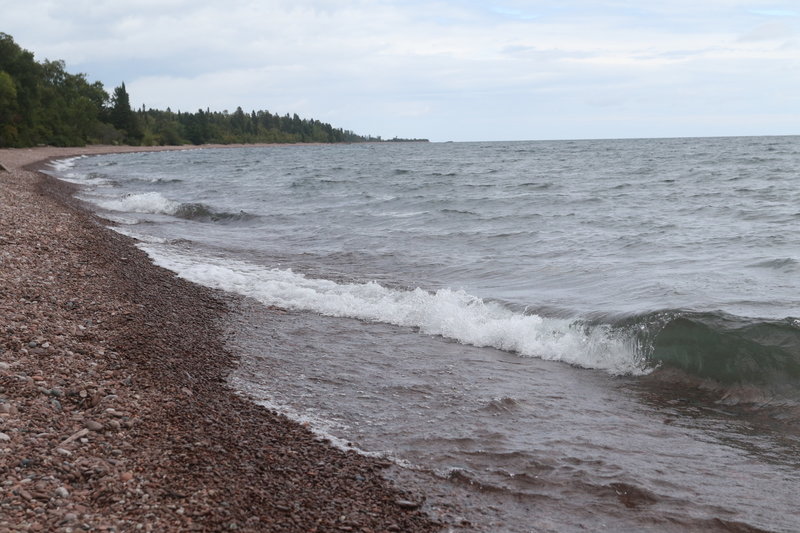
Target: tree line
(42,103)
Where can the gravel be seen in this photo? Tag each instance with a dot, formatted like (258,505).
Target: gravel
(115,413)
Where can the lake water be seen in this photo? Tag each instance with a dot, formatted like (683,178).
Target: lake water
(583,335)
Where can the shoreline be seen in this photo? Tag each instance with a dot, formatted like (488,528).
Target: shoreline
(115,412)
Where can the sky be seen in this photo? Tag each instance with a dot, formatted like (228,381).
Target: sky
(460,70)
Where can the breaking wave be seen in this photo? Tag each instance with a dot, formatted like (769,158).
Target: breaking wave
(727,349)
(156,203)
(453,314)
(722,347)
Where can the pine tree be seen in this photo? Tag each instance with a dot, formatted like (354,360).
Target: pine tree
(122,116)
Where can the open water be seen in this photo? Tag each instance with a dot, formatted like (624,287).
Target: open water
(583,335)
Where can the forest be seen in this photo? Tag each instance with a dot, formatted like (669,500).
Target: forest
(43,104)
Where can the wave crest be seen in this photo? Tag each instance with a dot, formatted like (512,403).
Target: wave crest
(723,347)
(453,314)
(732,351)
(156,203)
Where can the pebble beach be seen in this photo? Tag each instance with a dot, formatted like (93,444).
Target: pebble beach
(115,412)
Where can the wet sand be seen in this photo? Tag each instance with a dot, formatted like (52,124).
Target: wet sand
(115,412)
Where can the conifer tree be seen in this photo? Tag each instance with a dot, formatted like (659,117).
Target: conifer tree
(122,116)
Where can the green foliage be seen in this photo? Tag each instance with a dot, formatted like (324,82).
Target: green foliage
(70,107)
(41,103)
(204,127)
(122,117)
(8,107)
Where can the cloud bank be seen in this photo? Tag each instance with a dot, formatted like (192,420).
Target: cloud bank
(448,70)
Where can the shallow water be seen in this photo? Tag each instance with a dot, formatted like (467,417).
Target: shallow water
(435,293)
(574,447)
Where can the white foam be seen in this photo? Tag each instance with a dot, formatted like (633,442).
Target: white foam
(450,313)
(141,237)
(148,202)
(126,221)
(62,165)
(64,170)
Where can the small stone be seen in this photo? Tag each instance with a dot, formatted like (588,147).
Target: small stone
(4,366)
(186,391)
(75,436)
(62,492)
(92,425)
(4,437)
(63,452)
(113,424)
(126,476)
(70,517)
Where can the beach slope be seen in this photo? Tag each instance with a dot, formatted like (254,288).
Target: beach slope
(115,413)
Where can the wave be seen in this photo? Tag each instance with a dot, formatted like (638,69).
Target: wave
(453,314)
(149,202)
(459,212)
(62,165)
(537,186)
(729,350)
(63,169)
(203,213)
(786,264)
(158,181)
(156,203)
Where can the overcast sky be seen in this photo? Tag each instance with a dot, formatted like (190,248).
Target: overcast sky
(457,70)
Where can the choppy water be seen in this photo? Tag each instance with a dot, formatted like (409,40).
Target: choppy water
(587,334)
